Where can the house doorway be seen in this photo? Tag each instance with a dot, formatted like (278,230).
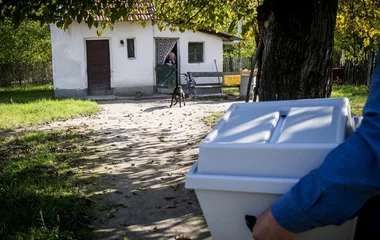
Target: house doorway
(167,77)
(98,67)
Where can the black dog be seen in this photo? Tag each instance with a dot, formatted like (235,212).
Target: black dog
(179,96)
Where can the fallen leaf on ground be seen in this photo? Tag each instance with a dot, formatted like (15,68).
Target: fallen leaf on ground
(169,198)
(91,226)
(109,215)
(182,237)
(113,210)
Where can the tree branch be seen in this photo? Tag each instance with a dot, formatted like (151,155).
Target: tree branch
(200,10)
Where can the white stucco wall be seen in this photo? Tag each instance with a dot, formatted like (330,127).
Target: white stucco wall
(69,56)
(127,75)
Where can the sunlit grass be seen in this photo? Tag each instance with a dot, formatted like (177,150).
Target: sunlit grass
(30,105)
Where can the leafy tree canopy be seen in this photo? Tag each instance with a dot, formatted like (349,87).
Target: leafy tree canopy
(172,14)
(358,27)
(358,21)
(27,44)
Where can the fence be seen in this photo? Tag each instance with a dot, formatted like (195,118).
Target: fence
(353,73)
(356,74)
(231,64)
(22,74)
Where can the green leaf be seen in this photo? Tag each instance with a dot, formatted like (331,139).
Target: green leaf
(130,3)
(232,27)
(113,18)
(79,18)
(67,24)
(60,24)
(90,21)
(104,25)
(96,24)
(72,13)
(99,33)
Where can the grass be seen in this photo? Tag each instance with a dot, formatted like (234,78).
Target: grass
(212,119)
(30,105)
(40,195)
(234,91)
(356,94)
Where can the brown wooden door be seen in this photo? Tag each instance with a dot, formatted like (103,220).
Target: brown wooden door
(98,67)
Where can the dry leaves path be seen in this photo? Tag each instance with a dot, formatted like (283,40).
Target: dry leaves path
(141,153)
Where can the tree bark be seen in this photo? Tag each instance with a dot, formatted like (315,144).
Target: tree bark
(298,38)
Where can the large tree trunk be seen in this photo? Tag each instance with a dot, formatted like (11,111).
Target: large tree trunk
(298,38)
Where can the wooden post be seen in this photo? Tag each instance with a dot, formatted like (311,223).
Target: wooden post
(216,66)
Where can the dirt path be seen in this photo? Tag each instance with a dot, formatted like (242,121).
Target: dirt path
(143,149)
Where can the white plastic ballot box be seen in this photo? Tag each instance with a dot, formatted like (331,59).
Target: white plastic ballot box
(257,152)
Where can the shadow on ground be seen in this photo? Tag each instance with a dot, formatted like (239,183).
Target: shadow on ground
(139,186)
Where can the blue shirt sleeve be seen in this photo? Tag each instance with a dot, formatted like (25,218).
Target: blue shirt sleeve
(347,179)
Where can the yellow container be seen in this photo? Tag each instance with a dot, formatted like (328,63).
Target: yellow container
(231,80)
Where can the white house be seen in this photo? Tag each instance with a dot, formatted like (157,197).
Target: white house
(129,58)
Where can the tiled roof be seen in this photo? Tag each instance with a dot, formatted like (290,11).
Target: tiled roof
(225,36)
(142,11)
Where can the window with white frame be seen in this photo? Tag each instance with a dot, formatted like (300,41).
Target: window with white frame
(195,52)
(131,48)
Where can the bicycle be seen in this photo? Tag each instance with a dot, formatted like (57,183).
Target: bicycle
(190,87)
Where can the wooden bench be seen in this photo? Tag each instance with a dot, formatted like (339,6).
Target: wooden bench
(211,88)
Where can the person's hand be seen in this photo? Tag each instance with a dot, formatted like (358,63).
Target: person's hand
(169,64)
(267,228)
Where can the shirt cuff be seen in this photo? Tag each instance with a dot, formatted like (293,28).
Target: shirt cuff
(291,217)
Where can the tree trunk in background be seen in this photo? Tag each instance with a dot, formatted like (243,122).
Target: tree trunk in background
(298,38)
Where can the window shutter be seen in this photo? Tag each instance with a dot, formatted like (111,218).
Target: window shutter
(195,52)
